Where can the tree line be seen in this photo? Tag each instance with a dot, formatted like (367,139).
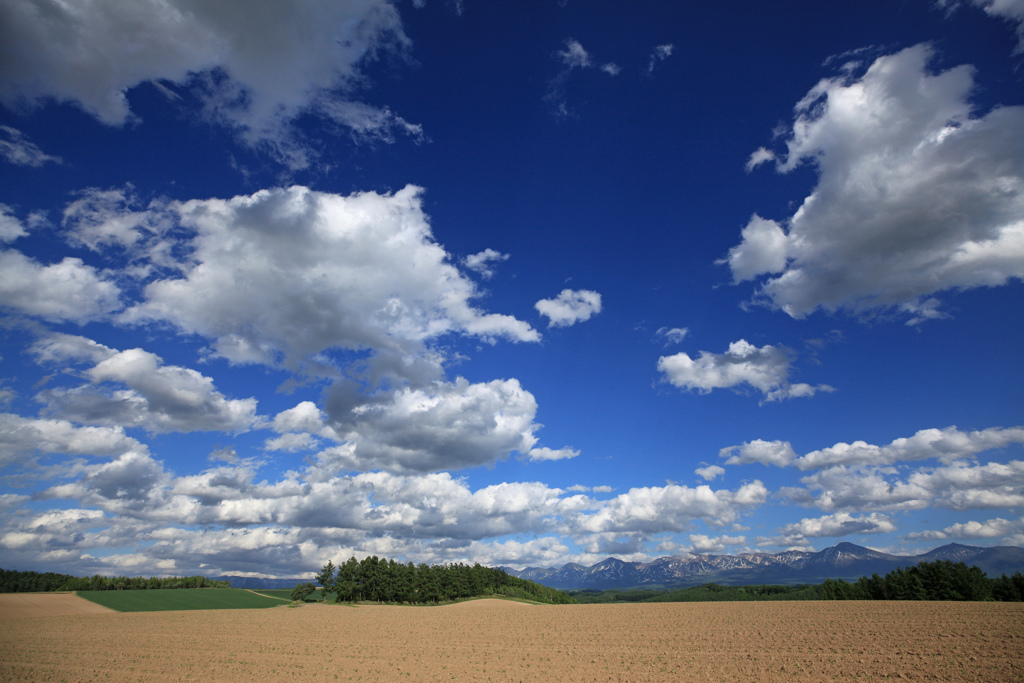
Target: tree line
(938,580)
(12,581)
(383,580)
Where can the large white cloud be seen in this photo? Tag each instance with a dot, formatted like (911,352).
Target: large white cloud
(672,507)
(358,272)
(1011,529)
(158,397)
(946,445)
(255,66)
(22,436)
(957,486)
(442,426)
(916,195)
(766,369)
(840,524)
(68,290)
(226,516)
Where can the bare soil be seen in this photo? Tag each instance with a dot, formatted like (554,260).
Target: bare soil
(506,641)
(25,605)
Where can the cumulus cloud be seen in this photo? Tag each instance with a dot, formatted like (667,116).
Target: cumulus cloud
(702,543)
(569,307)
(916,195)
(672,508)
(837,525)
(481,263)
(157,397)
(23,436)
(359,272)
(766,369)
(945,445)
(255,70)
(443,426)
(958,486)
(224,515)
(993,528)
(710,472)
(104,218)
(777,453)
(10,226)
(17,149)
(66,291)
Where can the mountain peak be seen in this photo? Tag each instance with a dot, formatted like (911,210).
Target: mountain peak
(845,560)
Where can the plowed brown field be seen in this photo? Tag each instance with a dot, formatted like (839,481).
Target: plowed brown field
(505,641)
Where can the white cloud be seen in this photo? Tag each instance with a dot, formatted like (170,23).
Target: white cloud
(710,472)
(946,445)
(296,524)
(360,272)
(671,508)
(758,157)
(22,436)
(839,524)
(542,453)
(69,290)
(659,54)
(569,307)
(17,149)
(159,398)
(705,544)
(777,453)
(255,68)
(480,263)
(993,528)
(574,56)
(102,218)
(958,486)
(611,68)
(762,250)
(766,369)
(915,195)
(10,227)
(443,426)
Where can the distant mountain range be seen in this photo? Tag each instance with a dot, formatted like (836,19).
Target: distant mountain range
(845,561)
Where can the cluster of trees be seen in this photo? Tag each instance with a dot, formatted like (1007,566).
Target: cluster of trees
(383,580)
(12,581)
(939,580)
(708,592)
(25,582)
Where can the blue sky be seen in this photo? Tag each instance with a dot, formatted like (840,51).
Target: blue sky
(510,283)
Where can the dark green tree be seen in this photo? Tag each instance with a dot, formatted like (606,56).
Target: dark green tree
(303,591)
(326,578)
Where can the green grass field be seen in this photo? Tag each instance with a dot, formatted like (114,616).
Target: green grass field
(180,599)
